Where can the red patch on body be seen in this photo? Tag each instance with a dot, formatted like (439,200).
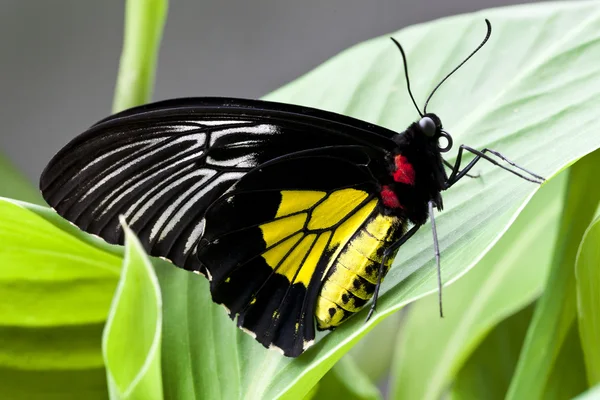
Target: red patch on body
(389,198)
(404,171)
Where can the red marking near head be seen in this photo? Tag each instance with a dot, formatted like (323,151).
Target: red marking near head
(404,171)
(389,198)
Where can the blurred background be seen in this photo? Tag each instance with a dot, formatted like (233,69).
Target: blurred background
(59,59)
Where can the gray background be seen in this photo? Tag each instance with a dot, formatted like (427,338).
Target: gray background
(59,58)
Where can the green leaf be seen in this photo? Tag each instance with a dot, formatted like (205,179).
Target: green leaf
(587,274)
(431,351)
(532,94)
(55,288)
(375,352)
(567,378)
(346,380)
(204,354)
(131,344)
(556,310)
(144,22)
(497,356)
(14,185)
(55,291)
(53,218)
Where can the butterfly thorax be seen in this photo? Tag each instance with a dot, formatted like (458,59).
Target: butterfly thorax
(416,176)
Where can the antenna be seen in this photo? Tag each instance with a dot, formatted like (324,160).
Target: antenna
(487,36)
(406,74)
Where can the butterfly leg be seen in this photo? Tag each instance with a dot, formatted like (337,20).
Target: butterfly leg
(447,164)
(457,173)
(387,253)
(436,249)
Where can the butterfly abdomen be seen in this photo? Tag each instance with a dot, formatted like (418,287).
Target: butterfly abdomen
(352,278)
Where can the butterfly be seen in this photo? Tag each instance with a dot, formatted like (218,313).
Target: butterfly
(293,214)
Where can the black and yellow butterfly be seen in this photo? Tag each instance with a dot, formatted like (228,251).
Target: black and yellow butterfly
(292,213)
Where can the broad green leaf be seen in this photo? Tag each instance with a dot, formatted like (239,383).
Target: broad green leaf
(62,224)
(14,185)
(489,369)
(131,343)
(556,310)
(567,377)
(346,380)
(375,352)
(55,291)
(531,93)
(587,274)
(204,354)
(144,22)
(432,350)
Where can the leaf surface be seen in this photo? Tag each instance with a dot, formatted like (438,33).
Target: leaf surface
(532,93)
(131,343)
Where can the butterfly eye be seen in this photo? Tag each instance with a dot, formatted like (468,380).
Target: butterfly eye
(427,126)
(448,145)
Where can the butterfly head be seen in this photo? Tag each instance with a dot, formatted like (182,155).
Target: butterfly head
(430,126)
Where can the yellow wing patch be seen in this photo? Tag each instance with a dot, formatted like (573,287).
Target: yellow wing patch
(295,261)
(309,266)
(295,240)
(335,208)
(277,254)
(293,201)
(279,229)
(345,231)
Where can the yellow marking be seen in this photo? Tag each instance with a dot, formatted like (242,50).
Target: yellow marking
(293,201)
(344,278)
(253,300)
(358,264)
(227,280)
(361,254)
(324,319)
(382,227)
(356,247)
(335,294)
(367,246)
(335,207)
(274,255)
(310,265)
(275,231)
(294,261)
(344,232)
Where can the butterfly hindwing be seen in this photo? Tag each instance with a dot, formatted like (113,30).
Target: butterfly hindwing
(269,241)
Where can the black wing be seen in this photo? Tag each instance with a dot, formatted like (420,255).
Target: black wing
(161,165)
